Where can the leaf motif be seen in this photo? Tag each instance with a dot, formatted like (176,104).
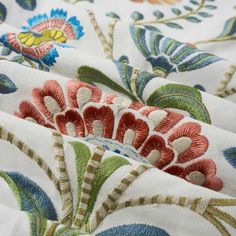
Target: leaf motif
(82,156)
(123,59)
(3,12)
(204,14)
(19,59)
(29,5)
(181,97)
(29,195)
(230,156)
(38,225)
(153,28)
(188,8)
(176,11)
(91,75)
(5,51)
(174,25)
(210,7)
(6,85)
(229,27)
(192,19)
(194,2)
(106,169)
(137,16)
(158,14)
(112,15)
(134,229)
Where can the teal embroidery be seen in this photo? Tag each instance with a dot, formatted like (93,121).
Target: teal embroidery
(29,5)
(30,197)
(167,55)
(230,155)
(3,12)
(134,229)
(6,85)
(181,97)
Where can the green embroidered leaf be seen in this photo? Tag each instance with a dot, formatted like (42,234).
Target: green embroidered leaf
(210,7)
(29,5)
(174,25)
(82,156)
(30,197)
(91,75)
(112,15)
(3,12)
(153,28)
(67,231)
(38,225)
(123,59)
(192,19)
(5,51)
(137,16)
(188,8)
(194,2)
(158,14)
(19,59)
(176,11)
(6,85)
(106,169)
(229,27)
(230,156)
(180,97)
(204,14)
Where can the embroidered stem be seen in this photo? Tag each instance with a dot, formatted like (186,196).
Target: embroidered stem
(222,91)
(30,153)
(133,81)
(204,207)
(89,178)
(213,40)
(107,44)
(25,59)
(164,21)
(65,188)
(111,199)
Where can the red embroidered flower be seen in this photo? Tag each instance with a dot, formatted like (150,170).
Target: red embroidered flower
(131,131)
(187,142)
(50,99)
(99,121)
(203,173)
(162,120)
(155,150)
(70,123)
(80,93)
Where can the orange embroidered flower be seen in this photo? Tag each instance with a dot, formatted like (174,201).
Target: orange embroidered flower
(170,2)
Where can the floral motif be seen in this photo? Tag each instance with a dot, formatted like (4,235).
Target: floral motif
(110,121)
(164,54)
(41,34)
(170,2)
(6,85)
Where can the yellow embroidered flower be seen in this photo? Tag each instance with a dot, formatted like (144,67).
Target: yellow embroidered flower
(31,39)
(170,2)
(56,35)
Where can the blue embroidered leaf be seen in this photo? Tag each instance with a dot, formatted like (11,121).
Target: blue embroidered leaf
(174,25)
(229,27)
(3,12)
(198,61)
(134,229)
(153,28)
(137,16)
(112,15)
(194,2)
(180,97)
(5,51)
(29,5)
(29,195)
(204,14)
(192,19)
(200,87)
(176,11)
(188,8)
(91,75)
(123,59)
(6,85)
(158,14)
(230,156)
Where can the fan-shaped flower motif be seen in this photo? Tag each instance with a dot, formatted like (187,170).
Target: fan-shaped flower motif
(167,55)
(43,32)
(110,121)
